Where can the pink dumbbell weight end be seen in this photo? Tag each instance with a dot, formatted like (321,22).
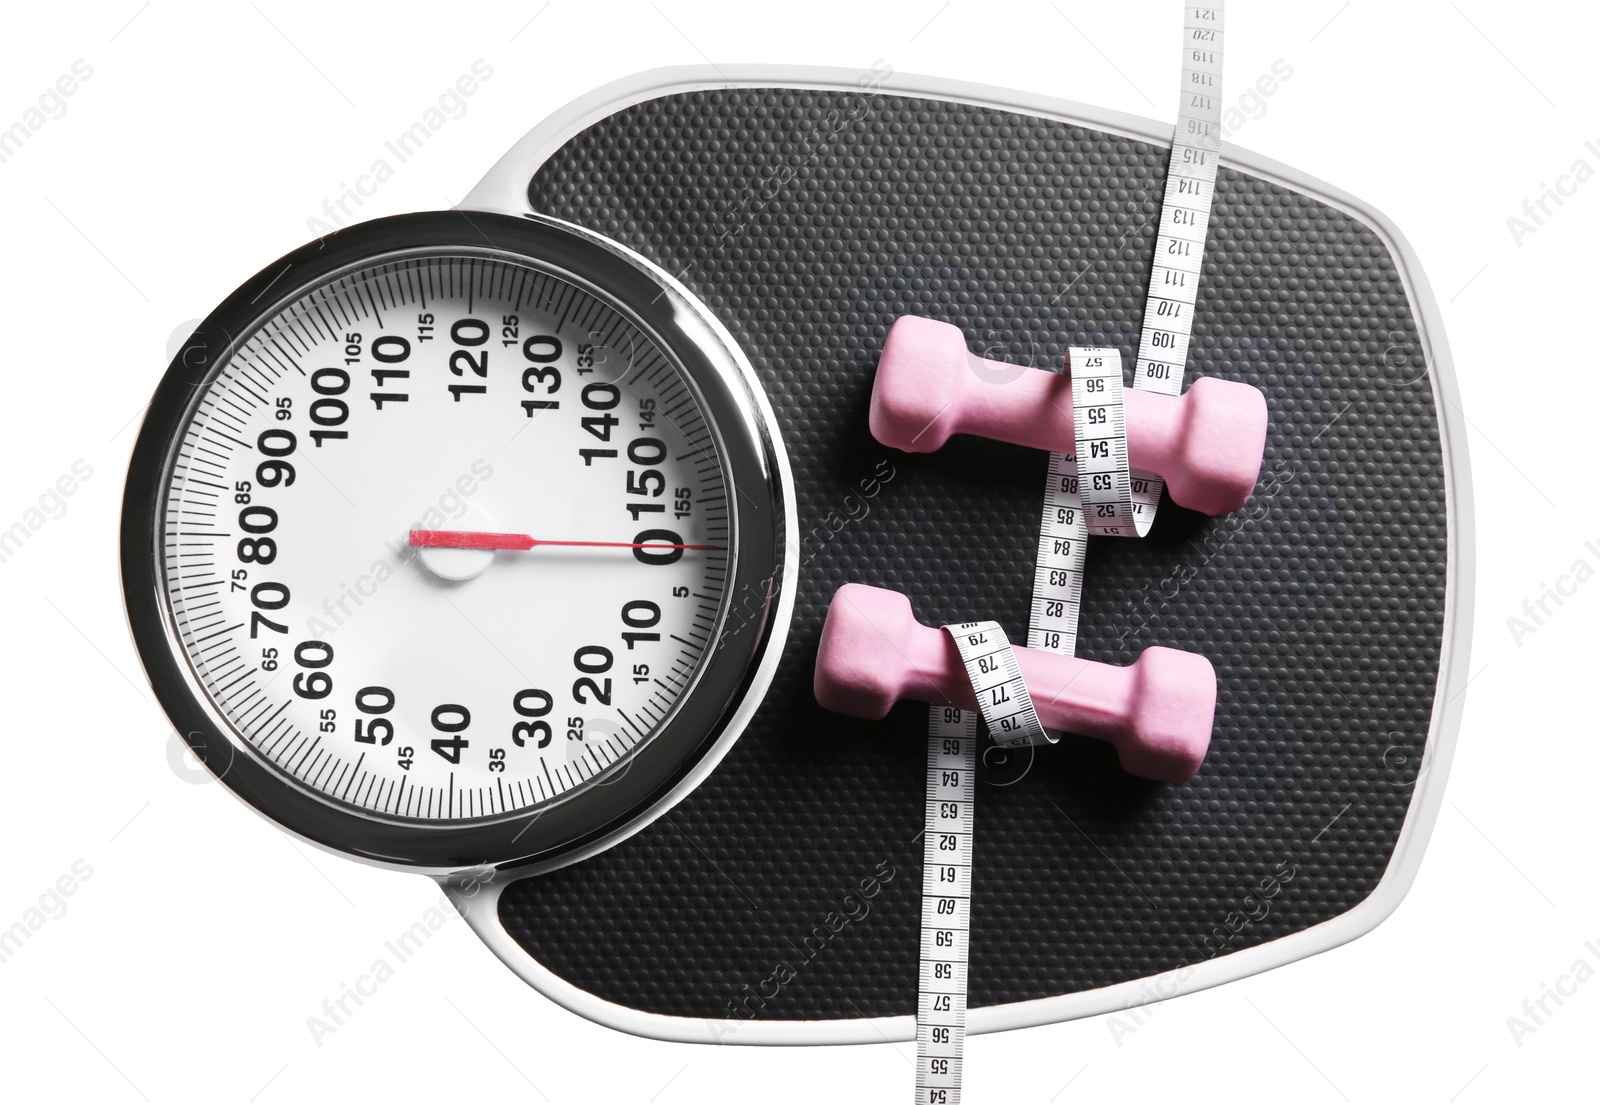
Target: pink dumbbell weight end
(1157,712)
(1207,443)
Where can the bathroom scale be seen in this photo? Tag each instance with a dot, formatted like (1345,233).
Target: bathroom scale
(498,545)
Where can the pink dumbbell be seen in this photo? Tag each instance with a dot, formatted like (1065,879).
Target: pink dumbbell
(1207,443)
(1157,712)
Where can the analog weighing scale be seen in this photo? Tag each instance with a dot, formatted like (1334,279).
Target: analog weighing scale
(653,331)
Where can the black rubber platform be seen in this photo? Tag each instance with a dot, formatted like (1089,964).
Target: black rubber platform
(808,221)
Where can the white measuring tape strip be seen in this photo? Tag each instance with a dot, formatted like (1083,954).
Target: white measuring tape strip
(1180,245)
(997,684)
(1094,491)
(946,902)
(1091,491)
(1008,711)
(1063,532)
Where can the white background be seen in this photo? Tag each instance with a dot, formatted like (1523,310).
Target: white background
(186,965)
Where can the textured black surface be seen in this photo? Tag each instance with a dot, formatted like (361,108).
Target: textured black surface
(808,221)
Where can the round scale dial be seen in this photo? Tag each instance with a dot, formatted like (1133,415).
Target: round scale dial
(446,537)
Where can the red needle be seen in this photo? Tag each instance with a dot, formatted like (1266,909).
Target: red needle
(473,539)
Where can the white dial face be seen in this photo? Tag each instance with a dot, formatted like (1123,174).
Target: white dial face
(376,421)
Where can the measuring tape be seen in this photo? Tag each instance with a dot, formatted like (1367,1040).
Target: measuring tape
(946,901)
(1185,215)
(1008,711)
(1094,491)
(1117,502)
(1063,528)
(1090,491)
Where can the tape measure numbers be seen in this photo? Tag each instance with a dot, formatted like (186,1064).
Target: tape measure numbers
(1180,243)
(946,900)
(1090,491)
(1008,711)
(1102,459)
(1100,427)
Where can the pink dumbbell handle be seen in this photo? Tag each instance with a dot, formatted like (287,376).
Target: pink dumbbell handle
(1034,408)
(1158,711)
(1079,696)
